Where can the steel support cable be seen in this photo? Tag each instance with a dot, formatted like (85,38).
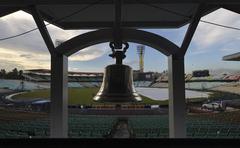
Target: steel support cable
(188,17)
(154,6)
(57,20)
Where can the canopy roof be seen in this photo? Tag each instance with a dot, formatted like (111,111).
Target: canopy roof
(95,14)
(102,15)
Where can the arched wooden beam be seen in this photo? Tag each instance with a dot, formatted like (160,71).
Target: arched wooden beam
(128,35)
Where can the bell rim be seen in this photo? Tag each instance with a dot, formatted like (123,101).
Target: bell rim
(117,99)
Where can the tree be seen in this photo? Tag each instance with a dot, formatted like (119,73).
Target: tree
(20,74)
(2,73)
(14,74)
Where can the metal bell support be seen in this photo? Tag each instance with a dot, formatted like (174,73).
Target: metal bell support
(117,83)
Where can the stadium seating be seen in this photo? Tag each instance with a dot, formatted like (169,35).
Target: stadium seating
(153,127)
(90,84)
(142,126)
(74,85)
(84,127)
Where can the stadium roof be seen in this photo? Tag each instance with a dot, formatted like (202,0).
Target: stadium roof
(94,14)
(232,57)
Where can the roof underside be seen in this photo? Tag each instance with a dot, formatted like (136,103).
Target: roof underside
(232,57)
(68,14)
(101,16)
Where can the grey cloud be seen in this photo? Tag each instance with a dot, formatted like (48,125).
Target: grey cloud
(208,35)
(90,53)
(131,62)
(9,65)
(28,56)
(32,44)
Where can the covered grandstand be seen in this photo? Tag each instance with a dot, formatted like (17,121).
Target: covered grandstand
(44,75)
(75,79)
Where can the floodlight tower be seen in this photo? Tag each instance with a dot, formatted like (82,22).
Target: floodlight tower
(140,51)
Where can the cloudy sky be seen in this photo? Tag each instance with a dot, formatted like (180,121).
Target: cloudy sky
(210,43)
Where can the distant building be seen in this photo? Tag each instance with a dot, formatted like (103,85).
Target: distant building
(200,73)
(143,76)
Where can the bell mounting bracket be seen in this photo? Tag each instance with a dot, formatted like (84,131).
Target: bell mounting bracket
(119,54)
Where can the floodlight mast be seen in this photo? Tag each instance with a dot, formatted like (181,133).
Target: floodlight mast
(141,51)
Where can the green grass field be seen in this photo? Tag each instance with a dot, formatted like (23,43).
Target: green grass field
(78,96)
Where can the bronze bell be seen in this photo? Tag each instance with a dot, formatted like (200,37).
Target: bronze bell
(117,83)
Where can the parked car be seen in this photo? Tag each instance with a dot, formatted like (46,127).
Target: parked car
(212,106)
